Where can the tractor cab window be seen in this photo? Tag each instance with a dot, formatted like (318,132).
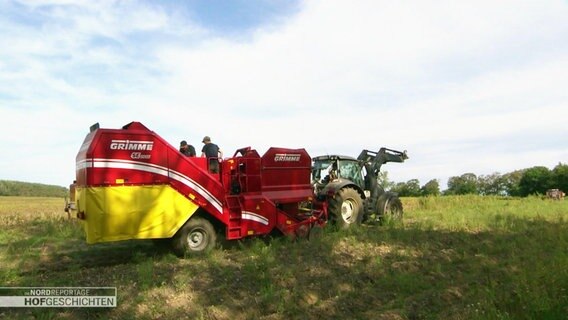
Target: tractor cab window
(321,169)
(352,171)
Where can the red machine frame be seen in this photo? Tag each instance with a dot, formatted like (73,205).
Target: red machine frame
(251,195)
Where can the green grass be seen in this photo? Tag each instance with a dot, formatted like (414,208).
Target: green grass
(463,257)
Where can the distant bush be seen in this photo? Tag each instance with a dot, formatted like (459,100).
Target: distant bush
(27,189)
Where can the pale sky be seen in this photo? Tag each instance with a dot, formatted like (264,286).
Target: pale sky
(464,86)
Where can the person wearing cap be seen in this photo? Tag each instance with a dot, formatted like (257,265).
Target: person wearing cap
(186,149)
(213,154)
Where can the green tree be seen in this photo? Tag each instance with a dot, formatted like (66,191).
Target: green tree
(464,184)
(383,180)
(431,188)
(399,188)
(411,188)
(492,184)
(535,180)
(560,177)
(511,182)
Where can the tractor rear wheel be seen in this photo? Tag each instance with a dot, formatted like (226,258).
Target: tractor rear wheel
(195,237)
(390,207)
(346,208)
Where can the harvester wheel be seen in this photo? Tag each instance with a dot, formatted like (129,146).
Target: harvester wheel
(346,208)
(196,236)
(390,207)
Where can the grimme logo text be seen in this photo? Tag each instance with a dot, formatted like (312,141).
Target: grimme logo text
(287,157)
(131,145)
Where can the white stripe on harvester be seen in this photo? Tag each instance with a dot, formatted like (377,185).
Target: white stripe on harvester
(152,168)
(83,164)
(247,215)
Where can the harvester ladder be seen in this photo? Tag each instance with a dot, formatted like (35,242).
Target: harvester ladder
(235,217)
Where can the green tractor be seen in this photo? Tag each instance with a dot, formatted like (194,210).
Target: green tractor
(351,187)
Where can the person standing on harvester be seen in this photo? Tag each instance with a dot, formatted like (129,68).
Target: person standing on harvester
(187,149)
(213,154)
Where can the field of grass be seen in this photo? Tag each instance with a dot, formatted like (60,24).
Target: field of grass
(463,257)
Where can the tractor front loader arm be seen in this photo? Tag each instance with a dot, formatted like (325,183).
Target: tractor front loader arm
(374,160)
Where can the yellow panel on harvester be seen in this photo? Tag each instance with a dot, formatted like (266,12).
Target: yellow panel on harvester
(132,212)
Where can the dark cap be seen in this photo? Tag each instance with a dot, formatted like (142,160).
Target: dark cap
(206,139)
(183,143)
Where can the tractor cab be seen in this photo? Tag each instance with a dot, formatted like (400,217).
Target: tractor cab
(331,168)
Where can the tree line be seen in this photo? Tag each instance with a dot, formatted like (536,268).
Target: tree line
(519,183)
(27,189)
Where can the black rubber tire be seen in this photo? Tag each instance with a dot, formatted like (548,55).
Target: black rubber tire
(197,236)
(346,208)
(390,207)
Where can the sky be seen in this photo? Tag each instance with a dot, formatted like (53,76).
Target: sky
(463,86)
